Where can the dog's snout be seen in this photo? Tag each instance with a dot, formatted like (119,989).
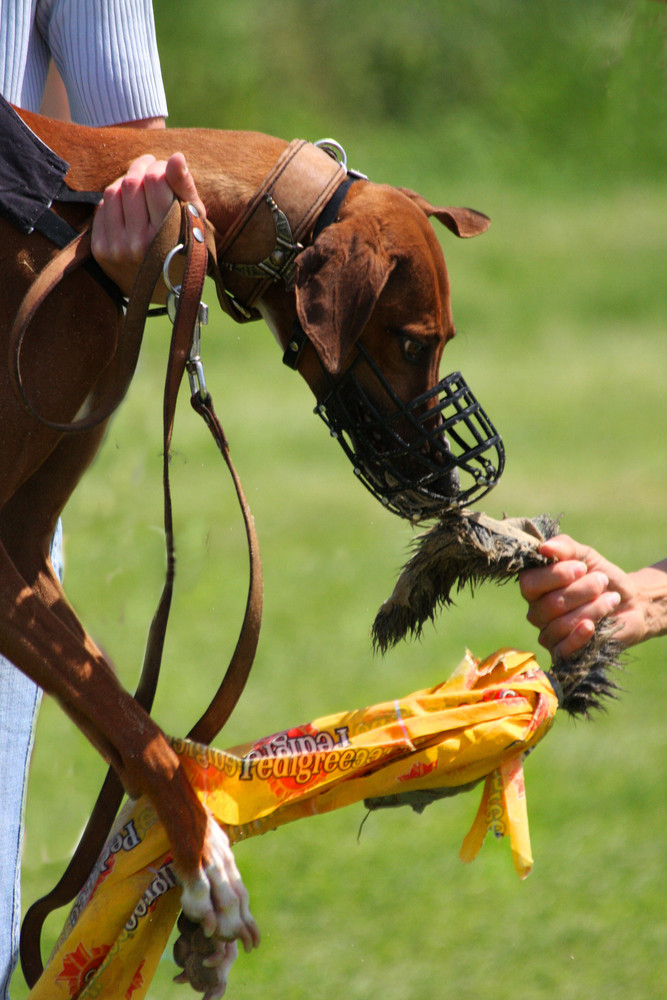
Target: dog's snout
(421,458)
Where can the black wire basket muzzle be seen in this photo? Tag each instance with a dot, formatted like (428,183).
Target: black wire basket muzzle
(420,458)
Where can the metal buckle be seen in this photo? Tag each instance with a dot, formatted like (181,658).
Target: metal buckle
(193,365)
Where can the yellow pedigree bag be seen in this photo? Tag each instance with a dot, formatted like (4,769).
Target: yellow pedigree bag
(477,725)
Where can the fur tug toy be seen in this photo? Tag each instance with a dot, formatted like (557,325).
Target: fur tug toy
(466,547)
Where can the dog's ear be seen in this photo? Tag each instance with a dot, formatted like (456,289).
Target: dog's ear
(462,222)
(338,281)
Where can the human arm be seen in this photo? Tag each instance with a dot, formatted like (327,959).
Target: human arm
(107,57)
(105,70)
(570,595)
(134,206)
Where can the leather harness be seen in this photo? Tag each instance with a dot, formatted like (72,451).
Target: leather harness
(304,183)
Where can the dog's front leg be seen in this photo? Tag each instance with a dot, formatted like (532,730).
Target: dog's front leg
(40,633)
(216,914)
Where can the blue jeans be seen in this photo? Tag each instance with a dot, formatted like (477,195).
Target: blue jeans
(19,702)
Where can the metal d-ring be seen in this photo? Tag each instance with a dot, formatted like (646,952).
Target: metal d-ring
(173,291)
(334,149)
(165,269)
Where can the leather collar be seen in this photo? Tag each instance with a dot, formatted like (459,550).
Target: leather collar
(262,244)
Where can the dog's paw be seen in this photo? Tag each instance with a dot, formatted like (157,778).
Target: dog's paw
(206,961)
(216,897)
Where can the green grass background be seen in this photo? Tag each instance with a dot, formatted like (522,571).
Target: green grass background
(551,118)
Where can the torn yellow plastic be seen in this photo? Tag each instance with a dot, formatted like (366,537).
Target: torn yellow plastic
(503,809)
(476,726)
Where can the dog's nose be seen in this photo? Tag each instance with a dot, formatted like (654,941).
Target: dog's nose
(442,479)
(447,486)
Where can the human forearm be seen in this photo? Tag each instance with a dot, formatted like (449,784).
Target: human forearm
(651,587)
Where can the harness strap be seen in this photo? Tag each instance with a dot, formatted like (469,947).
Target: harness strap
(60,233)
(329,213)
(74,255)
(71,257)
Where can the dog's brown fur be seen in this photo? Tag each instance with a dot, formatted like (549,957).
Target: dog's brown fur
(378,273)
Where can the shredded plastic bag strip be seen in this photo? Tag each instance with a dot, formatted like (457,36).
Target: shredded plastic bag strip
(478,725)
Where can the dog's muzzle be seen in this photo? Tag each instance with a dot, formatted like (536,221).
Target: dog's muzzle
(419,458)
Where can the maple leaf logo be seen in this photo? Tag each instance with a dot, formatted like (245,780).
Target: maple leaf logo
(417,771)
(137,982)
(80,966)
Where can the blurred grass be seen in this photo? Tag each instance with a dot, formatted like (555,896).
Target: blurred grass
(551,120)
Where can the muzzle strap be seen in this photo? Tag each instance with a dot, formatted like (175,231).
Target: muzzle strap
(294,349)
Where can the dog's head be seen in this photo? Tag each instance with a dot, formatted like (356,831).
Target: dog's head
(373,300)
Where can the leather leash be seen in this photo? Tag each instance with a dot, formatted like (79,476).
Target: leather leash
(233,683)
(184,226)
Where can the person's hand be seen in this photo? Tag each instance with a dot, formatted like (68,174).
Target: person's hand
(568,597)
(132,211)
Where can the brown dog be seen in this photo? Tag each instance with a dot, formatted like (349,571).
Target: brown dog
(374,279)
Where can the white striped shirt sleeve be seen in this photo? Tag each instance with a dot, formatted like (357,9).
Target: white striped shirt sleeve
(105,51)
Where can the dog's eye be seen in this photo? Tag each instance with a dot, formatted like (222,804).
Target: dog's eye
(412,349)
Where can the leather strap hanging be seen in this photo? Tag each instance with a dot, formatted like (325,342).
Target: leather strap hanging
(233,683)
